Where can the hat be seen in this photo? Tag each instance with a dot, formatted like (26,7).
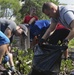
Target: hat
(24,27)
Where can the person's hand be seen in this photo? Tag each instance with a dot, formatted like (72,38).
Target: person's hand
(65,42)
(12,68)
(27,25)
(41,42)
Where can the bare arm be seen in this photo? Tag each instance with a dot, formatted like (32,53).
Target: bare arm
(49,30)
(8,32)
(71,34)
(32,20)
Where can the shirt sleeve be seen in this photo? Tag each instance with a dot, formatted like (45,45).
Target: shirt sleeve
(12,25)
(68,17)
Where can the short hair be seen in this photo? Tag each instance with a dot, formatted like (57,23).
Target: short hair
(32,8)
(46,5)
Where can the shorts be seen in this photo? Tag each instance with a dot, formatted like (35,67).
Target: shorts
(3,39)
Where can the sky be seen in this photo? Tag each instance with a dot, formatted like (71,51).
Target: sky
(67,1)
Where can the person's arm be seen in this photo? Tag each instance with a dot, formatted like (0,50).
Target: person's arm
(24,19)
(49,30)
(11,28)
(71,34)
(32,20)
(8,32)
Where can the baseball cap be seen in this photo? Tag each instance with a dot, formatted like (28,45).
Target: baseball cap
(24,27)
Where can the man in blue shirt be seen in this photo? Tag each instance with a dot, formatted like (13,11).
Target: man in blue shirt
(37,30)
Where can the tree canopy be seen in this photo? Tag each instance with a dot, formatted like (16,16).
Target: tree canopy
(12,4)
(21,11)
(35,3)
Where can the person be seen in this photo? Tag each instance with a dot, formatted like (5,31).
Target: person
(38,29)
(30,19)
(62,14)
(41,26)
(4,42)
(9,28)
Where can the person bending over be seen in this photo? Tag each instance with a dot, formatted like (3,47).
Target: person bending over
(9,28)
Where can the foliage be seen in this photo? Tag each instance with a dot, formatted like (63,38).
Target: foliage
(35,3)
(13,4)
(66,64)
(26,61)
(71,43)
(25,58)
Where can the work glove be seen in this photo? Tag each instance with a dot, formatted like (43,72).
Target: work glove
(12,68)
(65,42)
(27,25)
(41,42)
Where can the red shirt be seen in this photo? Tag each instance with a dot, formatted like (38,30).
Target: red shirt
(59,26)
(28,18)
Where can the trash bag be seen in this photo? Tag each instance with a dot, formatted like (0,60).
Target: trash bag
(48,58)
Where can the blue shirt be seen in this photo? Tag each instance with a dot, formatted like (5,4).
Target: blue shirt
(3,39)
(39,26)
(42,23)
